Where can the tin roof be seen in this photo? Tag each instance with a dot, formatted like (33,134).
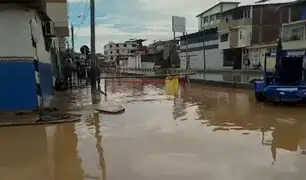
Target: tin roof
(224,2)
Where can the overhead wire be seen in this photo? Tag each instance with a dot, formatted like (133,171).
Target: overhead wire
(83,16)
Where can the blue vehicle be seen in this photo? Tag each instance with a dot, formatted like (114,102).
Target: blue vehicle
(285,83)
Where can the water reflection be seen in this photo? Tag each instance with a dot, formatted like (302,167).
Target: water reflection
(39,153)
(210,132)
(67,161)
(99,146)
(231,110)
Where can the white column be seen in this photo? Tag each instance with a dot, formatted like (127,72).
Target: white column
(289,14)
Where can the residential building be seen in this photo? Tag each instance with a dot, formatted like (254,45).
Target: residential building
(156,46)
(162,52)
(114,51)
(23,23)
(203,51)
(245,27)
(210,18)
(293,31)
(119,52)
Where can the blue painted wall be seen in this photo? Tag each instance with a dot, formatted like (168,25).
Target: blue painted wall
(46,82)
(18,86)
(18,89)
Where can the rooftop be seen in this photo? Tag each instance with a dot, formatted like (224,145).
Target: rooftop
(295,2)
(271,2)
(224,2)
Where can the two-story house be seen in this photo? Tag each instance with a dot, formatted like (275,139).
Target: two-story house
(202,47)
(248,31)
(293,31)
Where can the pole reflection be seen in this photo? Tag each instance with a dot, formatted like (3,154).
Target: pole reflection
(99,147)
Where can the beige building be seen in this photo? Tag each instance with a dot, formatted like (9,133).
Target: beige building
(57,10)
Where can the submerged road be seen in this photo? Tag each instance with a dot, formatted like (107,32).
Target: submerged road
(199,133)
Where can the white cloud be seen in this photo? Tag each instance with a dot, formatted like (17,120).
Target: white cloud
(158,21)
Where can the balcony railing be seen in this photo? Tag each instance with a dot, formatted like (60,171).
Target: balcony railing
(294,31)
(227,24)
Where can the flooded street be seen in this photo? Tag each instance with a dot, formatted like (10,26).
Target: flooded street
(199,133)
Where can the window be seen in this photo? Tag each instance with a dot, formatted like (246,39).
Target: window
(240,34)
(117,51)
(132,51)
(111,52)
(212,18)
(224,37)
(117,45)
(133,45)
(110,46)
(205,19)
(246,14)
(124,45)
(297,33)
(111,57)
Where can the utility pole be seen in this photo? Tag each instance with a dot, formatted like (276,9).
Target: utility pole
(204,54)
(72,38)
(93,43)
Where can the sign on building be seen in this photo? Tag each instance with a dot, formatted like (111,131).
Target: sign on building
(178,24)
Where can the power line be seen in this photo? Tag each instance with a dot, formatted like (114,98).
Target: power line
(77,6)
(83,16)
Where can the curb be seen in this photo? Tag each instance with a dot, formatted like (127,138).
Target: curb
(226,84)
(74,118)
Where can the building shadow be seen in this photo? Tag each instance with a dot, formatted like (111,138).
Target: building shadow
(23,153)
(67,162)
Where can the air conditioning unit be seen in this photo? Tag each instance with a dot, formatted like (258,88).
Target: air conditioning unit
(49,29)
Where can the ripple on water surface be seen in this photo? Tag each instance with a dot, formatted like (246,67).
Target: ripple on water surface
(201,132)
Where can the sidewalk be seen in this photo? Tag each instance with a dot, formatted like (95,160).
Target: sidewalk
(32,118)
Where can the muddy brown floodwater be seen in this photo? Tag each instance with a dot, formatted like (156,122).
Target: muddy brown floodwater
(201,133)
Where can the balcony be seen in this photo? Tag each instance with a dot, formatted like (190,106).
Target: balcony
(293,35)
(224,25)
(35,4)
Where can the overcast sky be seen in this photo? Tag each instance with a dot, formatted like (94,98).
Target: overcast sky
(120,20)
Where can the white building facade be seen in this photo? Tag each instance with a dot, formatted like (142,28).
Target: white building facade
(17,55)
(202,54)
(120,51)
(202,47)
(210,19)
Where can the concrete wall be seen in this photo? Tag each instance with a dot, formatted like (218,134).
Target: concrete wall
(57,10)
(18,88)
(213,56)
(244,36)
